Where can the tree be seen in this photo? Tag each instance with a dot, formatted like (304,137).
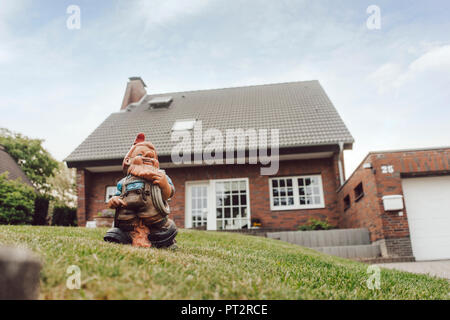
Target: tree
(33,159)
(64,188)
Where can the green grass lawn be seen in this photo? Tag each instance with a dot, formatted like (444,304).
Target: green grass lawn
(207,265)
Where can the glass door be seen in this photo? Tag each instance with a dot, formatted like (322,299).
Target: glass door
(197,205)
(232,204)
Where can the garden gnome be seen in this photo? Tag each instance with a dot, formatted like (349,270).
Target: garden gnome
(141,201)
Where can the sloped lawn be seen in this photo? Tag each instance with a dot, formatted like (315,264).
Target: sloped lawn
(207,265)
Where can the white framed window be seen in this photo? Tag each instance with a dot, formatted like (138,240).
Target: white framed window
(110,192)
(220,204)
(297,192)
(197,205)
(232,204)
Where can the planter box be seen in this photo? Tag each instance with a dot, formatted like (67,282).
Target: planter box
(104,222)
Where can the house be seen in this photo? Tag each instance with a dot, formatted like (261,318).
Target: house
(8,164)
(403,198)
(310,140)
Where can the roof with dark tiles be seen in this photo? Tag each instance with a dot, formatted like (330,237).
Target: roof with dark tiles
(301,111)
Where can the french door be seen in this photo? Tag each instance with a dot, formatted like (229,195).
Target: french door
(218,204)
(197,205)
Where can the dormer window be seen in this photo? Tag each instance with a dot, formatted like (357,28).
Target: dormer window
(182,125)
(160,102)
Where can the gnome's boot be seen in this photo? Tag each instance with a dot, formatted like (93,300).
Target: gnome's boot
(163,234)
(117,236)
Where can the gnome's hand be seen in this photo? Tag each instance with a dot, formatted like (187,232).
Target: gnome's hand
(116,202)
(160,179)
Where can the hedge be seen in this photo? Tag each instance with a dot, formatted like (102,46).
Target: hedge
(16,201)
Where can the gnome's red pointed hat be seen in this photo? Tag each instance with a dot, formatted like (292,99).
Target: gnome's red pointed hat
(139,141)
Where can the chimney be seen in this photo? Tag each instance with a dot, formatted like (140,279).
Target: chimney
(134,92)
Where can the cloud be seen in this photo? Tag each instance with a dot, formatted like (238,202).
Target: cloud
(164,11)
(391,76)
(435,59)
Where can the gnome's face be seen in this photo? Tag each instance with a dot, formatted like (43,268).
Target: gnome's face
(143,155)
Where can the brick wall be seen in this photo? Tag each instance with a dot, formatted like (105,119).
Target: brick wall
(369,212)
(259,190)
(365,212)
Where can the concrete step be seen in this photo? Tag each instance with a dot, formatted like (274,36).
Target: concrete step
(324,238)
(369,251)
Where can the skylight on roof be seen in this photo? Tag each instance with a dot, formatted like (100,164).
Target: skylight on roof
(158,102)
(181,125)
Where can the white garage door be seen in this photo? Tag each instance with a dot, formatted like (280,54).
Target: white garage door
(428,206)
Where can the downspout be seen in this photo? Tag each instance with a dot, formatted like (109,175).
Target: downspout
(341,172)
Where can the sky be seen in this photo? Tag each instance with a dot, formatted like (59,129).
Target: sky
(390,85)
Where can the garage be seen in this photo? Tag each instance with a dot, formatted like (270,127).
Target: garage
(427,201)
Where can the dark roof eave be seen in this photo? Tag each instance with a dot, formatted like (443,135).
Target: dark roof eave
(167,158)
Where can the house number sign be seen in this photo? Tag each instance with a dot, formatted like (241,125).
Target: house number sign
(387,169)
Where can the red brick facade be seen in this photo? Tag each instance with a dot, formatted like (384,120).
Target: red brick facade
(383,178)
(91,193)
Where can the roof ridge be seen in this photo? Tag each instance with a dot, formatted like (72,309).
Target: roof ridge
(235,87)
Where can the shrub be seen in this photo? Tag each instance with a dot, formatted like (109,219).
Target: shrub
(40,211)
(16,201)
(64,216)
(314,224)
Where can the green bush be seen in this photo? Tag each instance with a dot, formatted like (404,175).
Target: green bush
(314,224)
(16,201)
(64,216)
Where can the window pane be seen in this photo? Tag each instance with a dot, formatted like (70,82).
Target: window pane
(282,183)
(308,191)
(243,199)
(302,200)
(227,213)
(283,201)
(290,191)
(235,200)
(219,224)
(289,182)
(291,201)
(316,200)
(276,202)
(301,182)
(274,183)
(235,212)
(219,213)
(275,192)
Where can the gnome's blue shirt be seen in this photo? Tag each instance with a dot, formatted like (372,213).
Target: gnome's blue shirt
(138,184)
